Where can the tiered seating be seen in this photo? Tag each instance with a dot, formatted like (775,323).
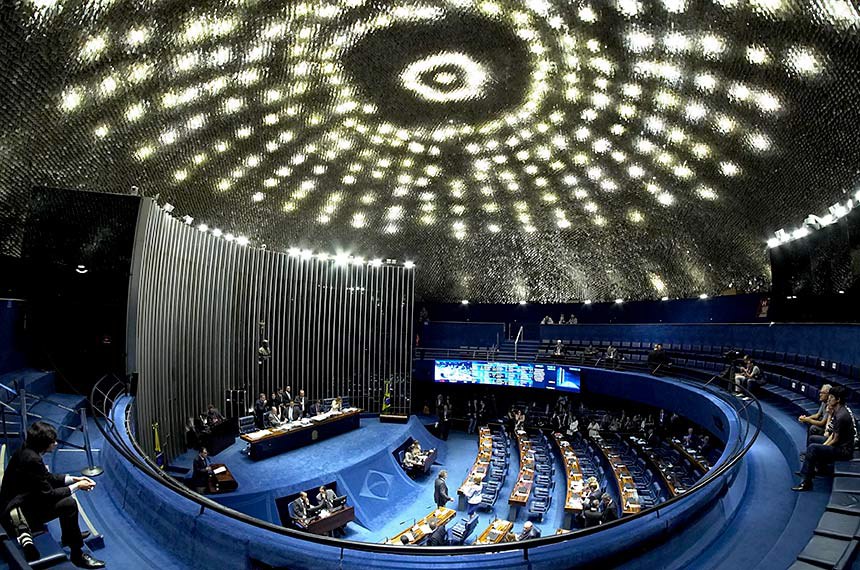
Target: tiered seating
(834,543)
(661,473)
(525,480)
(464,529)
(631,501)
(491,465)
(543,482)
(573,474)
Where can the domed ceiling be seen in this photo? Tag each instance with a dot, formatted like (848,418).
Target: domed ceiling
(540,150)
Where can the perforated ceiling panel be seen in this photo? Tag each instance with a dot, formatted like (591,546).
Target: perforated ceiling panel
(515,150)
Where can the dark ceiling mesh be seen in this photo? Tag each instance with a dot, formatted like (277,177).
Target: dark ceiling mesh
(540,150)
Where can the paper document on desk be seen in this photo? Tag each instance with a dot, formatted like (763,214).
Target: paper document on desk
(218,470)
(425,528)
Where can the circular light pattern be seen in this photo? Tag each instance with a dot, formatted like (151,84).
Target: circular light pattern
(427,77)
(566,134)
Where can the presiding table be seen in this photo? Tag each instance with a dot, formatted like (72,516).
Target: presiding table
(326,521)
(274,441)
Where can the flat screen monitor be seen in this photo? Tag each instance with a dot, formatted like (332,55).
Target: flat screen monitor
(523,375)
(339,501)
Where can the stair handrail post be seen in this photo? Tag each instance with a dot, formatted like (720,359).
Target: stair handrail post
(92,469)
(22,397)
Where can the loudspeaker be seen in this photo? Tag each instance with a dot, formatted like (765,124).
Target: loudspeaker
(393,419)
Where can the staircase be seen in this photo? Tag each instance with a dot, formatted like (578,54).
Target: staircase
(526,351)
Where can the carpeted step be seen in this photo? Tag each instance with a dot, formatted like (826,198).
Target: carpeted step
(846,485)
(848,503)
(838,525)
(828,552)
(34,381)
(847,468)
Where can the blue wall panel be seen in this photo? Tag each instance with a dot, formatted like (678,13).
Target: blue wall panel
(12,334)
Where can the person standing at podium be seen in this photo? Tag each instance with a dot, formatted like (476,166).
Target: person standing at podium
(202,471)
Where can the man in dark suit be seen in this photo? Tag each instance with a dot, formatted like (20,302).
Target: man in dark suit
(325,498)
(292,412)
(440,493)
(31,496)
(302,402)
(316,409)
(273,419)
(202,471)
(260,409)
(301,509)
(610,511)
(529,531)
(439,536)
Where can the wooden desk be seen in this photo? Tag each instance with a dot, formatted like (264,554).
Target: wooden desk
(481,466)
(626,487)
(327,521)
(428,462)
(495,533)
(273,441)
(523,487)
(575,482)
(694,461)
(222,482)
(418,535)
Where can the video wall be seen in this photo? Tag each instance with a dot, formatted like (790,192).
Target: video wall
(524,375)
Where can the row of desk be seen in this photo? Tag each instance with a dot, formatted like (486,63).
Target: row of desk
(574,479)
(626,486)
(523,486)
(655,464)
(481,466)
(274,441)
(420,531)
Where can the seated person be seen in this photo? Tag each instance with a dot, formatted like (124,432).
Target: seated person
(590,351)
(473,491)
(705,446)
(439,536)
(592,515)
(817,421)
(529,531)
(336,405)
(610,511)
(562,320)
(559,348)
(273,419)
(611,353)
(658,357)
(325,498)
(202,470)
(547,320)
(594,430)
(316,409)
(413,456)
(213,416)
(301,508)
(404,539)
(824,450)
(591,490)
(31,496)
(749,376)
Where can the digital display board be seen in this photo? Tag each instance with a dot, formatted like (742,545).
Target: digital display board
(524,375)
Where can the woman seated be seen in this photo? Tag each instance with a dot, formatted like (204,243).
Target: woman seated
(473,491)
(336,405)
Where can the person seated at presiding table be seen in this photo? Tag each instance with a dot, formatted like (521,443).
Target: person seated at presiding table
(315,409)
(610,511)
(592,515)
(472,491)
(529,531)
(439,536)
(837,444)
(273,419)
(413,456)
(292,413)
(31,496)
(817,422)
(213,416)
(336,405)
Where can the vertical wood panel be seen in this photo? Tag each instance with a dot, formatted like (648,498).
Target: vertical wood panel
(333,330)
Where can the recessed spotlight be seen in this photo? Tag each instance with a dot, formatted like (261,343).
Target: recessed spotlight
(703,296)
(664,298)
(587,302)
(619,301)
(464,302)
(522,302)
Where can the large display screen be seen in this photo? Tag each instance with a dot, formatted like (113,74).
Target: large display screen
(549,376)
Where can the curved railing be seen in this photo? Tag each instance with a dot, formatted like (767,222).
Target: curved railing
(109,389)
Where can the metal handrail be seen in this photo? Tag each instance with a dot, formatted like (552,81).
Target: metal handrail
(140,461)
(517,342)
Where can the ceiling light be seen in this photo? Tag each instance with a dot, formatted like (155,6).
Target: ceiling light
(409,265)
(619,301)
